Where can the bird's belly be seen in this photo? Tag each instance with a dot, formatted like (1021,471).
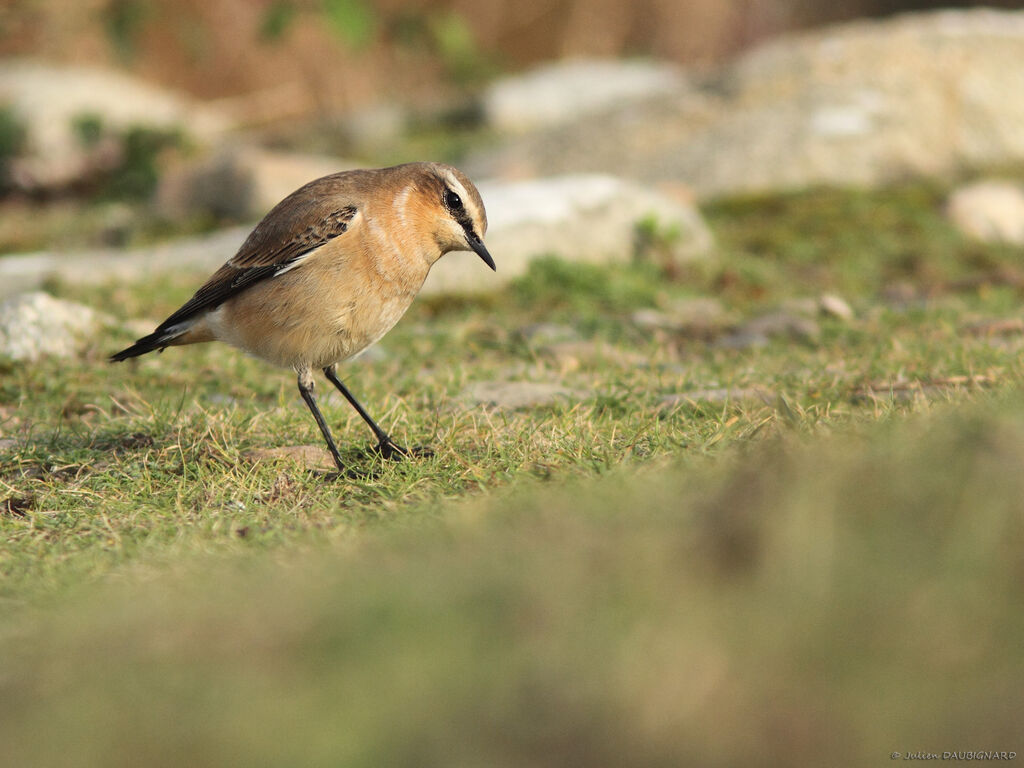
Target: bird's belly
(296,328)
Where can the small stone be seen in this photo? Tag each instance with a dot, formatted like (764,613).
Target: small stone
(572,355)
(990,211)
(995,327)
(512,395)
(307,456)
(758,332)
(718,395)
(703,317)
(548,333)
(835,306)
(653,319)
(801,306)
(742,340)
(902,294)
(783,324)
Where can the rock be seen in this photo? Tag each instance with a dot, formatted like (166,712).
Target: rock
(541,334)
(206,253)
(1013,326)
(51,101)
(239,183)
(574,89)
(372,129)
(698,317)
(36,325)
(860,103)
(990,211)
(835,306)
(757,332)
(306,456)
(585,218)
(512,395)
(783,324)
(573,355)
(718,395)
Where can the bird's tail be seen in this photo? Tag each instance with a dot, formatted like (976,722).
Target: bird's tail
(160,338)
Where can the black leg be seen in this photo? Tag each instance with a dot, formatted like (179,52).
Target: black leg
(306,390)
(387,448)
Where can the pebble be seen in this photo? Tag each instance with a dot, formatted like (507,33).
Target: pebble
(513,395)
(718,395)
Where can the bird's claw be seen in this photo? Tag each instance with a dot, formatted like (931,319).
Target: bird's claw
(391,451)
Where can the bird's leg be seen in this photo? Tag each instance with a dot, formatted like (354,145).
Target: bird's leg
(385,446)
(306,390)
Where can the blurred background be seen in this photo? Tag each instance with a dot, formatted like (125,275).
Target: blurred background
(160,115)
(728,471)
(332,54)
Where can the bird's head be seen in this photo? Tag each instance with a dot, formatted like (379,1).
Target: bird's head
(454,211)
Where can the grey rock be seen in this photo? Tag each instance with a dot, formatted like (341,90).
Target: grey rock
(700,316)
(24,272)
(784,324)
(991,211)
(305,456)
(758,331)
(574,89)
(240,182)
(548,333)
(649,319)
(573,355)
(835,306)
(372,129)
(36,325)
(802,305)
(718,395)
(585,218)
(48,99)
(742,339)
(859,103)
(513,395)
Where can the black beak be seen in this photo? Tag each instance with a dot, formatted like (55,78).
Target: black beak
(480,250)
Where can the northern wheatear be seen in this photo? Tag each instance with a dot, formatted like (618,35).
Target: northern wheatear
(329,271)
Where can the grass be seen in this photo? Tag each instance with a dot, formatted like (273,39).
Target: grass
(636,574)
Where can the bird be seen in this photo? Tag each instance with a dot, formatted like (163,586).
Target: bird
(330,270)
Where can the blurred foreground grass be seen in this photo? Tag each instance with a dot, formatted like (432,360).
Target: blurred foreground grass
(801,547)
(805,600)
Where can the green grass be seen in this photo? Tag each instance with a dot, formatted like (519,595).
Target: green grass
(823,574)
(795,601)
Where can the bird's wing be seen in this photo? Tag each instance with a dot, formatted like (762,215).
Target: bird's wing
(297,226)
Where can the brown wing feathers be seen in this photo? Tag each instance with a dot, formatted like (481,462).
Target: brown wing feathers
(250,266)
(262,255)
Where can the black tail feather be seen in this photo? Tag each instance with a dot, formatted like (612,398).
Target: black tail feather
(155,341)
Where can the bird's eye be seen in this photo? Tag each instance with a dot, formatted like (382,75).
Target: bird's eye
(452,200)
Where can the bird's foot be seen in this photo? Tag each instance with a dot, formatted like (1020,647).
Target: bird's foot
(391,451)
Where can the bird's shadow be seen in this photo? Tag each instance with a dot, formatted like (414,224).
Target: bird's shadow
(369,463)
